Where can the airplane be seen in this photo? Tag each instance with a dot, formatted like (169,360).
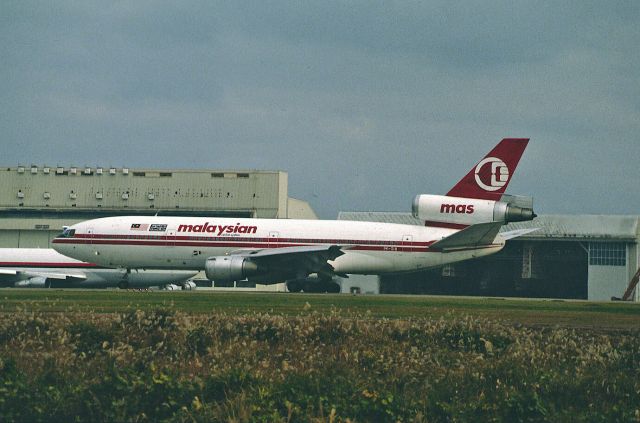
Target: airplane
(46,268)
(462,225)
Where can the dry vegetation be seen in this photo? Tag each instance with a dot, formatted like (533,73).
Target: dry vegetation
(168,365)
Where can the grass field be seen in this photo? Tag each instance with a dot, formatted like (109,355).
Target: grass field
(68,355)
(572,314)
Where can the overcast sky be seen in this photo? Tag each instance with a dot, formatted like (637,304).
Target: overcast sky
(364,103)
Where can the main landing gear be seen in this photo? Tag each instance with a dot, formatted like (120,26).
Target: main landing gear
(313,285)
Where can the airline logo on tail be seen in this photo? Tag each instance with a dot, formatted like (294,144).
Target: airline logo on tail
(499,174)
(488,179)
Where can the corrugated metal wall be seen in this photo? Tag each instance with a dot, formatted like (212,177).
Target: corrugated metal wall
(37,201)
(85,188)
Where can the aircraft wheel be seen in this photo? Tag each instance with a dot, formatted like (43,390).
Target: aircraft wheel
(333,287)
(294,286)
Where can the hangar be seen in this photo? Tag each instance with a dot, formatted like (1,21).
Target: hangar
(37,201)
(578,257)
(582,257)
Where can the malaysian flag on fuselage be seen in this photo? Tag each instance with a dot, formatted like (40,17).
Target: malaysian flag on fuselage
(139,226)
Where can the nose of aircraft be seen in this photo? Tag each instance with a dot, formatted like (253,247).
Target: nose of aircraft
(66,242)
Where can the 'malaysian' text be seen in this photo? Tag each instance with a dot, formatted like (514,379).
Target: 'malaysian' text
(219,229)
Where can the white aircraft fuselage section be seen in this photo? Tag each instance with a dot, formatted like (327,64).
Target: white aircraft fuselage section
(461,225)
(187,242)
(29,267)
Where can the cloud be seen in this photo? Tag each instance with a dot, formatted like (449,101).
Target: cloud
(365,104)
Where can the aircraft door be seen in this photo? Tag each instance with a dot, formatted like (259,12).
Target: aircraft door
(171,237)
(273,239)
(90,241)
(407,245)
(407,240)
(171,245)
(165,250)
(90,236)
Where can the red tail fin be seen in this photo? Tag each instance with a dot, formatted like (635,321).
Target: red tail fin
(488,179)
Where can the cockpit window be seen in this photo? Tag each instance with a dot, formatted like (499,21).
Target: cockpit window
(67,233)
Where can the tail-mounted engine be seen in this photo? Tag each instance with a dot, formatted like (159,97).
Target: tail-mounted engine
(229,268)
(469,211)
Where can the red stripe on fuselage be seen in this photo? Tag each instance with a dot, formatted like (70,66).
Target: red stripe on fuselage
(45,264)
(299,241)
(231,242)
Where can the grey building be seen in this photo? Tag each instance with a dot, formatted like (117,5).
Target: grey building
(583,257)
(37,201)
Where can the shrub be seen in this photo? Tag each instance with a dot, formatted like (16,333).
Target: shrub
(163,365)
(89,339)
(198,340)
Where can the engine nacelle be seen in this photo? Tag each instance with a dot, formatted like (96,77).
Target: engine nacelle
(172,287)
(189,286)
(468,211)
(34,282)
(229,268)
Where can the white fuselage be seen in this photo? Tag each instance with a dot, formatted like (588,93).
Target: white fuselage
(40,267)
(187,242)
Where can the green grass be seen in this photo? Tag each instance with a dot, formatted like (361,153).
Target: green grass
(68,355)
(614,315)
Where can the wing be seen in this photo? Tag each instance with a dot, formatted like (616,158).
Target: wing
(9,277)
(278,264)
(470,237)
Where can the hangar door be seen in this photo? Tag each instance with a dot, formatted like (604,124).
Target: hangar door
(9,239)
(33,239)
(608,272)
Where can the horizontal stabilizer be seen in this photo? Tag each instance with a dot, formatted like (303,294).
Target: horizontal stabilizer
(518,232)
(470,237)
